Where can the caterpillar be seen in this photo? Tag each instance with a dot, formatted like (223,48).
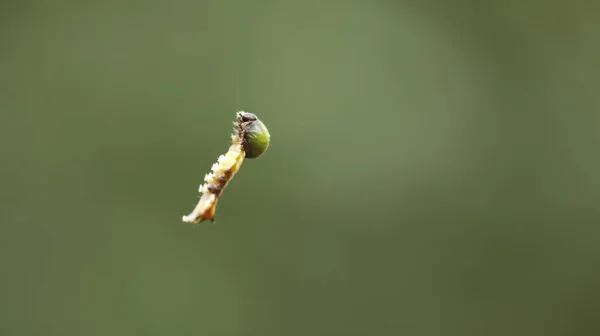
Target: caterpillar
(250,139)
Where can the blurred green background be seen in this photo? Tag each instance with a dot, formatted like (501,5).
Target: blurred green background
(433,169)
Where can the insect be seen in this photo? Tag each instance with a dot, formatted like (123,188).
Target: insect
(250,139)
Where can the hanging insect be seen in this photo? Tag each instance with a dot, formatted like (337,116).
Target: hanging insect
(249,140)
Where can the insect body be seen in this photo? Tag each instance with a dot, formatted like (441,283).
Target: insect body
(256,135)
(250,139)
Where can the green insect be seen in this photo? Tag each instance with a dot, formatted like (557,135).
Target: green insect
(255,134)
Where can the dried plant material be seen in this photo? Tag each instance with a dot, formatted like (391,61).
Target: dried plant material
(250,139)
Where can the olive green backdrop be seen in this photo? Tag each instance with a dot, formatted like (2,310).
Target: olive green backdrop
(433,169)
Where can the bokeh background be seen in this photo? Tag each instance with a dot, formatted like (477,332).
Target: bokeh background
(433,170)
